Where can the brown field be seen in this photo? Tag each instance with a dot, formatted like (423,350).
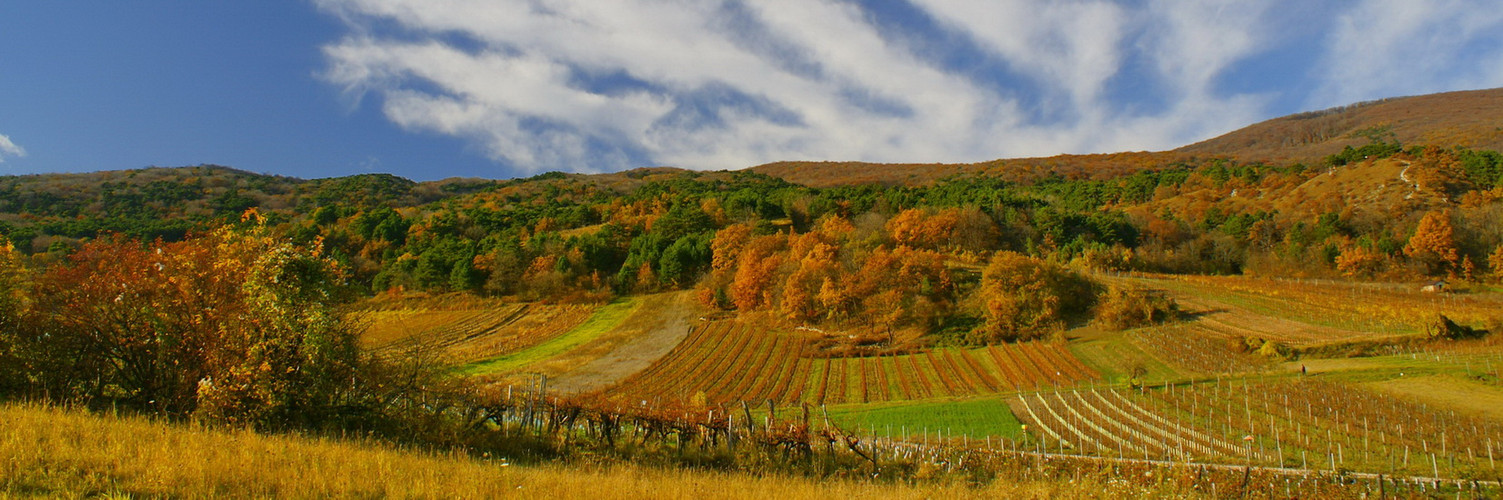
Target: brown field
(723,361)
(1314,312)
(469,335)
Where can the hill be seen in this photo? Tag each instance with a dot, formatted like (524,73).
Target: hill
(1076,167)
(1468,118)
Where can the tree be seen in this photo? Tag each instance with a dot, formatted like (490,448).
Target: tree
(1433,243)
(1025,297)
(285,359)
(1358,261)
(1495,262)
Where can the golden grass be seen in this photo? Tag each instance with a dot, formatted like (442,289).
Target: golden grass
(386,327)
(1448,391)
(50,452)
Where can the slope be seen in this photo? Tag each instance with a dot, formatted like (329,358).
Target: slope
(1467,118)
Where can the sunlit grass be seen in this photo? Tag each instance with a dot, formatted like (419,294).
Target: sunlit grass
(49,452)
(976,418)
(603,320)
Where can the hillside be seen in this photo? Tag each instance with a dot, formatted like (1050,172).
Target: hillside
(47,452)
(1468,118)
(1023,170)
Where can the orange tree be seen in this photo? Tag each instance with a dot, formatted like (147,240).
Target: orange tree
(234,326)
(1025,297)
(1433,243)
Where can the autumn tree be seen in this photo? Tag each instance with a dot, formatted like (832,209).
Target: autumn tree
(1433,243)
(1121,308)
(285,358)
(1359,261)
(1495,262)
(963,229)
(16,359)
(1025,297)
(132,322)
(756,272)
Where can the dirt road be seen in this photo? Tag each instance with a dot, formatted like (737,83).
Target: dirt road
(649,333)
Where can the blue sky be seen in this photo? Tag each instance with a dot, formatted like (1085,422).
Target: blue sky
(429,89)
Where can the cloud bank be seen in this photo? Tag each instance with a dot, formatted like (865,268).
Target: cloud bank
(8,148)
(583,85)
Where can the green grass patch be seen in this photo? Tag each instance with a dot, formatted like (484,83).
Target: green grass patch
(976,418)
(1114,356)
(603,320)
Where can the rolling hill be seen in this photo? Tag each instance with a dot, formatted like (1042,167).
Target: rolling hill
(1467,118)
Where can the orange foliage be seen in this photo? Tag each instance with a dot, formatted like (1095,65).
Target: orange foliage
(946,229)
(1434,243)
(1361,262)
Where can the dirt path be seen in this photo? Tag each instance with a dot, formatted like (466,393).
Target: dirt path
(654,329)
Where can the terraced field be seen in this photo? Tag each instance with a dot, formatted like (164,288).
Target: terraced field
(725,361)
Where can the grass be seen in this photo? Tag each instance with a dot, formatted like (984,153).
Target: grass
(50,452)
(976,418)
(1448,391)
(1113,356)
(603,320)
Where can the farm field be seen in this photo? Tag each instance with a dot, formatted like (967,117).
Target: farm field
(596,324)
(978,418)
(1408,406)
(1289,422)
(464,336)
(725,361)
(1313,312)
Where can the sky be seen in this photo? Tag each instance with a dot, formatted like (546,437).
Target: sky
(428,89)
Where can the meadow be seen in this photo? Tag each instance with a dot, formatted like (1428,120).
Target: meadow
(53,452)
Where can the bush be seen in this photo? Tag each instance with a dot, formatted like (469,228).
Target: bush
(1124,308)
(1027,298)
(1441,327)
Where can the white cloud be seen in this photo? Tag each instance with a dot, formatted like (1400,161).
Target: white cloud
(1387,48)
(589,86)
(9,148)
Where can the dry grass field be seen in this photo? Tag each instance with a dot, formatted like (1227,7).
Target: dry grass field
(50,452)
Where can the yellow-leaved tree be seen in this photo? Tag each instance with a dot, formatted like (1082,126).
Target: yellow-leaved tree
(1434,244)
(1025,297)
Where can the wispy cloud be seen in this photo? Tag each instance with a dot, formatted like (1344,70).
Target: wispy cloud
(1387,48)
(8,148)
(591,86)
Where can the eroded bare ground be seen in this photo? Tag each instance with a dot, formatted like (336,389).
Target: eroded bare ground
(659,324)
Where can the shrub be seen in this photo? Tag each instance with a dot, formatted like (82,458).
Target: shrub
(1123,308)
(1026,298)
(1442,327)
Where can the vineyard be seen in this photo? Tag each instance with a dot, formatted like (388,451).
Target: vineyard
(468,336)
(1303,312)
(1190,347)
(1303,423)
(724,361)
